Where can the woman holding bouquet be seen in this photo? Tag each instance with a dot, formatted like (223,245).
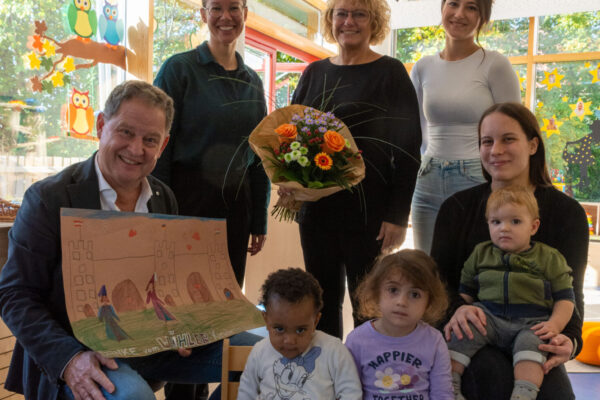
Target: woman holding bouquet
(372,94)
(454,87)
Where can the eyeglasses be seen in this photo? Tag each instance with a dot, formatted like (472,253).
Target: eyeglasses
(357,15)
(218,11)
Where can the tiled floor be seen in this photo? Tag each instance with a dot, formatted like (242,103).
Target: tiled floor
(586,386)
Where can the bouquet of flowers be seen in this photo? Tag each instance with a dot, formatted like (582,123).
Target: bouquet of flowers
(308,152)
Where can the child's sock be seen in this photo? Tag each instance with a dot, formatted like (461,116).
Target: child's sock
(524,390)
(456,378)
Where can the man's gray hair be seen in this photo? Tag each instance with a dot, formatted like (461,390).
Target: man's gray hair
(144,91)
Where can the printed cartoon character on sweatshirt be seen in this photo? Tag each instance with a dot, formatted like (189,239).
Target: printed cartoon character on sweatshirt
(291,375)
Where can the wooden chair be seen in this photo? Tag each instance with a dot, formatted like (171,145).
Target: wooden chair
(7,342)
(234,360)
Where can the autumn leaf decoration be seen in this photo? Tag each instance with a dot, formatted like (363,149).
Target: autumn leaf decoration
(56,60)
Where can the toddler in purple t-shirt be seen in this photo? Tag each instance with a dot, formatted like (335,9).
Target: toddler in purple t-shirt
(397,354)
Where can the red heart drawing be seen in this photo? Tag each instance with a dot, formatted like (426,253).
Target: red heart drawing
(189,246)
(132,233)
(196,236)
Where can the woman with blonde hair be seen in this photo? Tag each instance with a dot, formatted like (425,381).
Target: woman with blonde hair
(372,94)
(454,87)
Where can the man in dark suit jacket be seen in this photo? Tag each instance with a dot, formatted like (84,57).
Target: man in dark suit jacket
(133,131)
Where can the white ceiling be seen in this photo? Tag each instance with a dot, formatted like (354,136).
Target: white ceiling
(412,13)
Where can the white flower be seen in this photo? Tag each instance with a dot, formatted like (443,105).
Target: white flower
(288,157)
(296,154)
(295,145)
(303,150)
(387,379)
(303,161)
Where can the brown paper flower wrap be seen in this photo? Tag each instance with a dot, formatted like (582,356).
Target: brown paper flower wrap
(308,152)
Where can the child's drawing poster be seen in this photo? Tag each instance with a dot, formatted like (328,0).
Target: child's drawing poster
(137,284)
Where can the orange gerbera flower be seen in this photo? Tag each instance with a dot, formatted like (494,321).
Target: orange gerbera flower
(323,161)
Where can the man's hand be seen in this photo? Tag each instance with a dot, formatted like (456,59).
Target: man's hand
(184,352)
(83,375)
(256,244)
(392,235)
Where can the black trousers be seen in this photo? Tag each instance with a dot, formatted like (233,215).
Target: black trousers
(333,256)
(238,234)
(181,391)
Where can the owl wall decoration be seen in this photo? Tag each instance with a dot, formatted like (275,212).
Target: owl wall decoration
(80,115)
(111,28)
(82,19)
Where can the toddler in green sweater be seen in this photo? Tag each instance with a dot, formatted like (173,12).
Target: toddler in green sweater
(522,290)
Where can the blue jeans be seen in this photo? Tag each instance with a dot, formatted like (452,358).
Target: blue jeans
(202,366)
(438,180)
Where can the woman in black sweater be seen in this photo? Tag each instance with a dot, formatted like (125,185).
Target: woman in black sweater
(372,94)
(512,153)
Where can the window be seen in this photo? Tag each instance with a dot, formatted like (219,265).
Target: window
(279,66)
(296,16)
(34,139)
(560,82)
(178,27)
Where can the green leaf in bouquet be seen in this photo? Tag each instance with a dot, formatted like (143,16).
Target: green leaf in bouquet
(327,184)
(315,185)
(290,175)
(276,163)
(305,174)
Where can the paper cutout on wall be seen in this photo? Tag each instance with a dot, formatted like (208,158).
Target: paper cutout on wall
(111,27)
(81,19)
(580,109)
(595,73)
(552,79)
(79,117)
(168,278)
(521,80)
(55,60)
(581,152)
(551,126)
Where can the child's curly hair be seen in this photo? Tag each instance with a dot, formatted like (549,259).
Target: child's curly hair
(416,267)
(292,285)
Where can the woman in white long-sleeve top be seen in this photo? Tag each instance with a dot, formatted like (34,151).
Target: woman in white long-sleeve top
(454,87)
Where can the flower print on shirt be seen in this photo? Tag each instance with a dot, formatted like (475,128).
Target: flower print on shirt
(388,380)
